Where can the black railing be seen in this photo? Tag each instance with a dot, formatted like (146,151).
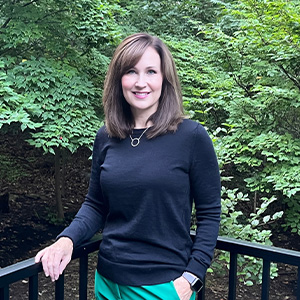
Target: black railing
(267,253)
(29,269)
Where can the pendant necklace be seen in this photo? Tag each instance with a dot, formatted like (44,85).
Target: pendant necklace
(135,141)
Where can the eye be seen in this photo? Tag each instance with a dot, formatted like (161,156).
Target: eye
(152,72)
(131,71)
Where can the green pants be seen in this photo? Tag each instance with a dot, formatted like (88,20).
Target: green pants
(105,289)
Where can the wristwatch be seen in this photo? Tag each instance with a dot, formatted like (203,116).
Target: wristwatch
(194,281)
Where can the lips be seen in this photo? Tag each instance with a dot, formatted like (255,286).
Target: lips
(141,95)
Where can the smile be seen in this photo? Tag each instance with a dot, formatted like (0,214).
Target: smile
(141,95)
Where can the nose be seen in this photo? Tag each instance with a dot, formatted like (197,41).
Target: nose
(140,81)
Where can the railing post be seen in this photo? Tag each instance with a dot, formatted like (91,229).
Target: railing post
(232,276)
(298,284)
(33,287)
(265,280)
(59,287)
(83,270)
(4,293)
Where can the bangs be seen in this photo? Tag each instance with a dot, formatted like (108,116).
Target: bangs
(131,54)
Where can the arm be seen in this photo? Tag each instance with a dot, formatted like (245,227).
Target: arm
(86,223)
(206,191)
(92,214)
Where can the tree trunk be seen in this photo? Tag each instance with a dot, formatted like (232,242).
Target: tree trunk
(59,206)
(63,172)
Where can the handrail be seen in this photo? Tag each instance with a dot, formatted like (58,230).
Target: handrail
(28,268)
(267,253)
(276,254)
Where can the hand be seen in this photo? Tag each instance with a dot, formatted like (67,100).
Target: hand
(56,257)
(183,288)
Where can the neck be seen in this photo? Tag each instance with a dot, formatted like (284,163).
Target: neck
(142,124)
(141,118)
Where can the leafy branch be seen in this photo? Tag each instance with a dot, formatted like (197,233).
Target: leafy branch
(289,76)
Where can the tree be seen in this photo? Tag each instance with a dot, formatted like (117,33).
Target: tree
(54,56)
(240,78)
(255,45)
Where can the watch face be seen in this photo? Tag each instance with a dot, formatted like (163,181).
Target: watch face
(197,285)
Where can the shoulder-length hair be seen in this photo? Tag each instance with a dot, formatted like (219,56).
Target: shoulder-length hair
(118,117)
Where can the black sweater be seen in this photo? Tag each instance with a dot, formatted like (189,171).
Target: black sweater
(142,199)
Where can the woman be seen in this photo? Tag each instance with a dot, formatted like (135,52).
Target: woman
(149,165)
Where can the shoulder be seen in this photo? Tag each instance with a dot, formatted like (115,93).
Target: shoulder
(102,132)
(101,141)
(192,128)
(200,142)
(102,136)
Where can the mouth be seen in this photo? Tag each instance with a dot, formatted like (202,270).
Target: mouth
(141,94)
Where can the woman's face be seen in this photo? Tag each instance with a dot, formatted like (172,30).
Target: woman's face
(142,84)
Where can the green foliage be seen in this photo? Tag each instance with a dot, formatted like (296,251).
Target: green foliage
(255,47)
(63,95)
(15,107)
(50,83)
(292,215)
(234,223)
(201,81)
(77,33)
(167,17)
(57,28)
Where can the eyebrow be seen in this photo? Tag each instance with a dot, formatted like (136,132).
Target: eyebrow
(149,67)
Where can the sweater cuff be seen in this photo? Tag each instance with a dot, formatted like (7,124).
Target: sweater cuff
(65,233)
(196,268)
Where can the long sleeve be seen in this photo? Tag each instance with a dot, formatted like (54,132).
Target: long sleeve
(205,190)
(91,216)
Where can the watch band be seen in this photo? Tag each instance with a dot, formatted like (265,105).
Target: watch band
(194,281)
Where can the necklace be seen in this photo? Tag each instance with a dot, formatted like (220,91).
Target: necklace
(135,141)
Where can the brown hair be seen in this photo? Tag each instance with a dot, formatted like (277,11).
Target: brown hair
(118,117)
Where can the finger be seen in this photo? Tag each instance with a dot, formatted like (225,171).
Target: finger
(39,255)
(51,268)
(57,259)
(63,264)
(45,261)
